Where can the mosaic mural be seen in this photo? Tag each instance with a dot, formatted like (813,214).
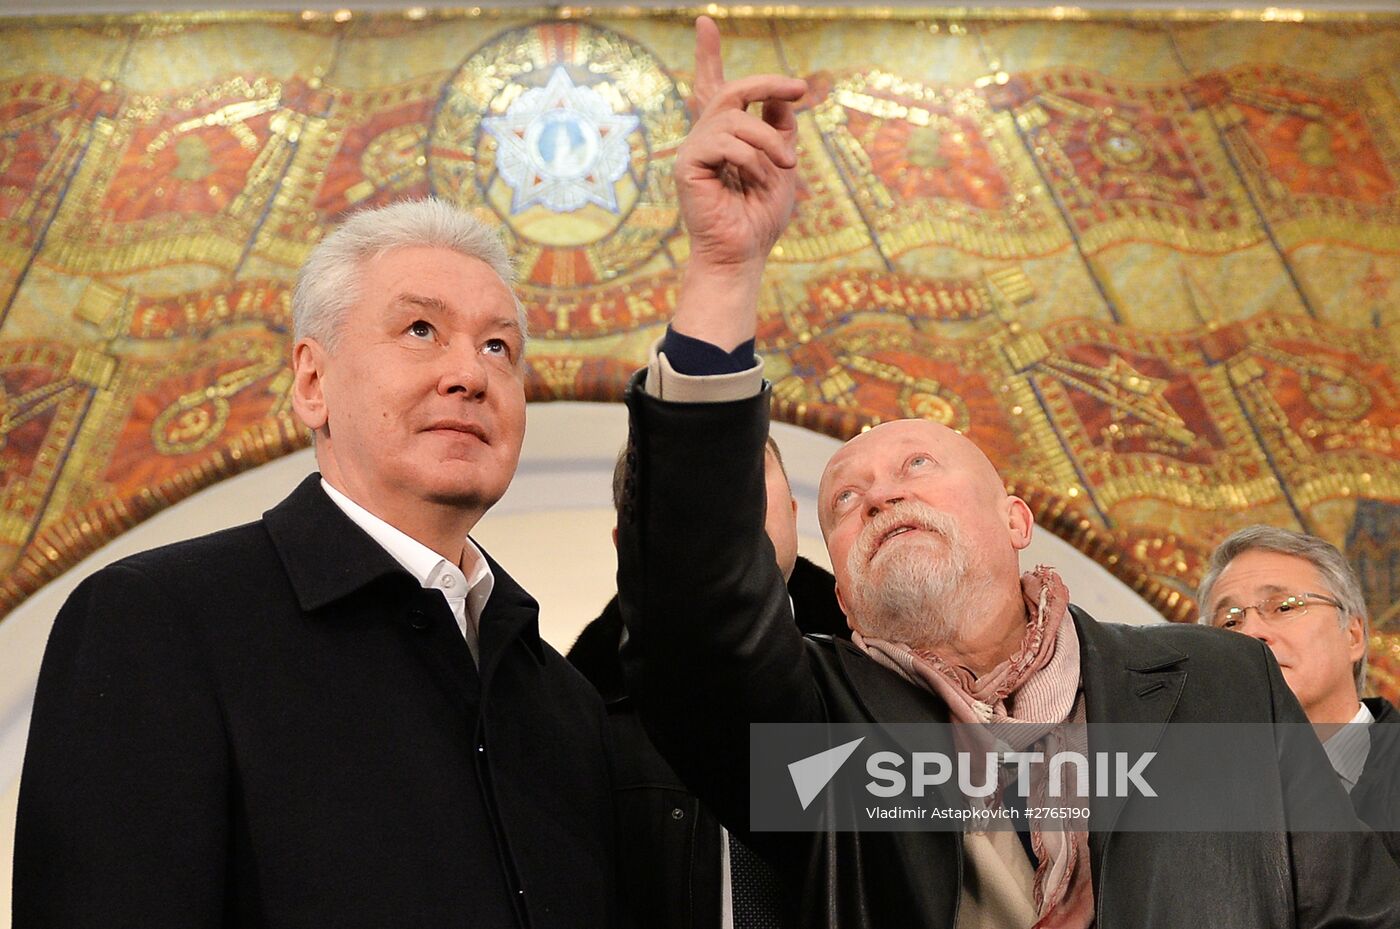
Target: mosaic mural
(1151,265)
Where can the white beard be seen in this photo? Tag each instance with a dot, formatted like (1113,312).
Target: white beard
(918,592)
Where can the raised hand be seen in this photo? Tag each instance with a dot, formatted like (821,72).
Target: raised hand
(736,179)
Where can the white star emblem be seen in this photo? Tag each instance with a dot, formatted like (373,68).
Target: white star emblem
(561,145)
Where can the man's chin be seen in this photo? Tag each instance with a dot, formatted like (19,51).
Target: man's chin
(899,554)
(464,494)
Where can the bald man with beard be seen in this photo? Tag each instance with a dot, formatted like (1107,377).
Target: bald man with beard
(925,541)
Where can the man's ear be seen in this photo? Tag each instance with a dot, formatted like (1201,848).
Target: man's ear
(1020,523)
(308,382)
(614,537)
(1356,638)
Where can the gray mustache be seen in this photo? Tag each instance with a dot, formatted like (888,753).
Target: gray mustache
(905,513)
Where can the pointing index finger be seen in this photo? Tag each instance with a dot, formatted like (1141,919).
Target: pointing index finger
(709,63)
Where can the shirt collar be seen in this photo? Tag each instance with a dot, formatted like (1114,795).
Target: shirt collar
(1348,747)
(428,568)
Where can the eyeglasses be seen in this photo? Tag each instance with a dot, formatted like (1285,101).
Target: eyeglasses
(1275,609)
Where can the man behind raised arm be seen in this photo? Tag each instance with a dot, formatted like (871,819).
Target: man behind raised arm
(1297,594)
(680,870)
(343,714)
(924,541)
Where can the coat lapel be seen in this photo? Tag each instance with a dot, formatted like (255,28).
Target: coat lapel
(884,695)
(326,555)
(510,614)
(342,574)
(1130,676)
(328,558)
(1378,777)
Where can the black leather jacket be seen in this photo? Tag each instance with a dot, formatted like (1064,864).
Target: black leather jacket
(1377,792)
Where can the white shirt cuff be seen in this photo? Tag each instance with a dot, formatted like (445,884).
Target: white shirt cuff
(666,383)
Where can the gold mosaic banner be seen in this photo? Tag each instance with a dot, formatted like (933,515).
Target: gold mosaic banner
(1149,263)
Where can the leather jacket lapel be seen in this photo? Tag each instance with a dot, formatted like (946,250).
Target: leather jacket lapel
(884,695)
(1127,678)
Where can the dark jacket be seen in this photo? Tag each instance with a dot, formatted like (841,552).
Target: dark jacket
(276,726)
(1376,795)
(668,850)
(711,649)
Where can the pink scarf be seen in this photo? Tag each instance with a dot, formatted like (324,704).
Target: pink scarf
(1039,683)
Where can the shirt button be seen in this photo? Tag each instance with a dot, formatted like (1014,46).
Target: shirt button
(449,582)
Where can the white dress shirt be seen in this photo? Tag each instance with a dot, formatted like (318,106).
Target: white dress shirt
(466,594)
(1348,747)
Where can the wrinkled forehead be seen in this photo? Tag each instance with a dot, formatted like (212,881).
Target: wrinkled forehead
(433,277)
(1256,573)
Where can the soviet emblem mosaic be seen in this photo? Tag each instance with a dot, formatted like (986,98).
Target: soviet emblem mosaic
(565,132)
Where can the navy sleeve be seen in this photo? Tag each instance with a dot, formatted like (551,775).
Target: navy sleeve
(698,357)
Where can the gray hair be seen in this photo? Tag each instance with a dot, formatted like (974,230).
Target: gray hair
(1337,575)
(328,283)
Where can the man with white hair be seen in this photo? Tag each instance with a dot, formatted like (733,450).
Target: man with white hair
(342,714)
(924,540)
(1297,594)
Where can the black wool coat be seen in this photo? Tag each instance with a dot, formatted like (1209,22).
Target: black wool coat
(276,726)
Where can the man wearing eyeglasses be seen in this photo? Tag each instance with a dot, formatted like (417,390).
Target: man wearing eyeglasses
(1297,594)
